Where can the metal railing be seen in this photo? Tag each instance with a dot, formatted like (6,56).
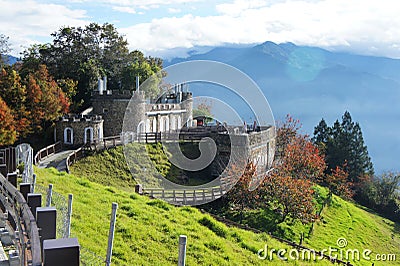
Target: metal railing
(73,156)
(49,150)
(22,221)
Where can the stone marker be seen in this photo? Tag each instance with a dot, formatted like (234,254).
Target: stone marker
(12,178)
(61,252)
(3,169)
(34,201)
(46,218)
(139,189)
(25,188)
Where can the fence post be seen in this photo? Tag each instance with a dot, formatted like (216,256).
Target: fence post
(111,233)
(69,215)
(49,195)
(182,250)
(33,184)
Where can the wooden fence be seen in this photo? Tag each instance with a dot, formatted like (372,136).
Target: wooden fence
(185,196)
(73,157)
(154,137)
(47,151)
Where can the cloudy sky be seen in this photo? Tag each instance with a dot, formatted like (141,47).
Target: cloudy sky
(165,27)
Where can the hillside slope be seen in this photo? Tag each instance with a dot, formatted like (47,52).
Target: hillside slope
(341,219)
(147,230)
(361,229)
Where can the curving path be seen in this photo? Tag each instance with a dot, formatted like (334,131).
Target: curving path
(57,160)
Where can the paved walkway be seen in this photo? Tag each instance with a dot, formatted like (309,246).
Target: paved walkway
(57,161)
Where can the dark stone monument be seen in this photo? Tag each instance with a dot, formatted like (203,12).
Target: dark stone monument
(34,201)
(25,188)
(61,252)
(12,178)
(3,170)
(46,218)
(139,189)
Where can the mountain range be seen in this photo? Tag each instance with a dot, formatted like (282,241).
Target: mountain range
(311,83)
(9,59)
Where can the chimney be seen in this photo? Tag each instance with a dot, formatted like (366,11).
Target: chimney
(105,83)
(100,86)
(137,83)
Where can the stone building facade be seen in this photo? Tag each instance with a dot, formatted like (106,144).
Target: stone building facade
(114,112)
(76,130)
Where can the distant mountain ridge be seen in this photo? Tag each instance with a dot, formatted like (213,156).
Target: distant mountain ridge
(9,59)
(311,83)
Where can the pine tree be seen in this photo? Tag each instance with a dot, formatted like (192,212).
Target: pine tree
(344,145)
(321,135)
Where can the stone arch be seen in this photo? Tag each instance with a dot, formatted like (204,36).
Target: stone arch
(166,124)
(161,124)
(68,135)
(148,125)
(141,128)
(179,124)
(154,128)
(173,122)
(99,134)
(88,135)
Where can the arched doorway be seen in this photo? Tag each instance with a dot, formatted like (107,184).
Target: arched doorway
(88,136)
(68,136)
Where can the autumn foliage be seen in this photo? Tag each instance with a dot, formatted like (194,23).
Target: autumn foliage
(288,188)
(8,135)
(337,182)
(45,99)
(290,197)
(240,195)
(29,103)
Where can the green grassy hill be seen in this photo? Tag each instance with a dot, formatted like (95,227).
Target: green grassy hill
(362,230)
(147,231)
(145,224)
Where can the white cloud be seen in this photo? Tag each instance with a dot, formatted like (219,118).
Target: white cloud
(23,21)
(174,10)
(129,5)
(368,27)
(124,9)
(238,6)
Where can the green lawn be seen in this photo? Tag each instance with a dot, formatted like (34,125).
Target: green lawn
(147,231)
(140,220)
(361,228)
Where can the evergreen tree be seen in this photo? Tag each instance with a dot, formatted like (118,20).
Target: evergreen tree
(344,145)
(85,54)
(321,135)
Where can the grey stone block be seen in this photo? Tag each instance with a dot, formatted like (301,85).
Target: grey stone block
(61,252)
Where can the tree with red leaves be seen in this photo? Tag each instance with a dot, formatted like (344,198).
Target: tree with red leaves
(337,182)
(290,197)
(8,134)
(33,101)
(288,189)
(13,93)
(45,99)
(240,196)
